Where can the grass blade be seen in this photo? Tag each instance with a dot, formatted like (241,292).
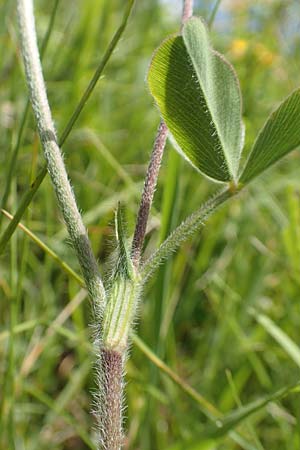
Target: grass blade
(28,196)
(47,250)
(16,149)
(46,400)
(280,337)
(206,407)
(214,13)
(232,420)
(97,74)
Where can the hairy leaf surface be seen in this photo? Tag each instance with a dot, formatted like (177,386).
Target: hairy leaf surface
(198,95)
(279,136)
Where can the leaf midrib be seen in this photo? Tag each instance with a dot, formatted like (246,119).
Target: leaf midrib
(219,134)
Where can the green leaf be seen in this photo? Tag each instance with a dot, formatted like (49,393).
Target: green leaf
(124,266)
(205,445)
(198,95)
(61,414)
(232,420)
(279,136)
(180,234)
(288,345)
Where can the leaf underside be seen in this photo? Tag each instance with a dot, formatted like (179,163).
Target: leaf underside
(198,95)
(279,136)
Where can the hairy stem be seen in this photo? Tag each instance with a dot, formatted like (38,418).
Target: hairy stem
(148,193)
(28,196)
(110,402)
(193,223)
(13,160)
(55,164)
(153,171)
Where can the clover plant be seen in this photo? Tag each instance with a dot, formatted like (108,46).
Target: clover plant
(199,100)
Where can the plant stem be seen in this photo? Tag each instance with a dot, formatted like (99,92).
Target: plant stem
(206,407)
(148,193)
(183,231)
(98,72)
(187,10)
(56,168)
(111,386)
(152,172)
(28,196)
(213,13)
(25,202)
(17,146)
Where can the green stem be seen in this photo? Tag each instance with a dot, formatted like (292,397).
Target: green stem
(183,231)
(28,196)
(97,74)
(25,202)
(13,160)
(47,250)
(206,407)
(213,13)
(56,168)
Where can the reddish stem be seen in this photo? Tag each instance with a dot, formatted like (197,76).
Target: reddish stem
(148,193)
(152,172)
(110,420)
(187,10)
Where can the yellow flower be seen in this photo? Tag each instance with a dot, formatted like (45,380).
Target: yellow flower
(239,47)
(264,56)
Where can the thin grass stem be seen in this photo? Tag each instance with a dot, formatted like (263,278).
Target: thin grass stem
(29,194)
(15,152)
(86,95)
(56,168)
(46,249)
(214,13)
(206,407)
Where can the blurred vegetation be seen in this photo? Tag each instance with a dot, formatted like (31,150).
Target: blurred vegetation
(207,311)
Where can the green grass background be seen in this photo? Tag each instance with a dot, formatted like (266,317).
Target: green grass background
(223,313)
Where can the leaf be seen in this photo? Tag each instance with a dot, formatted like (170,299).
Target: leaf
(230,421)
(206,407)
(60,414)
(279,136)
(198,95)
(205,445)
(124,264)
(182,232)
(289,346)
